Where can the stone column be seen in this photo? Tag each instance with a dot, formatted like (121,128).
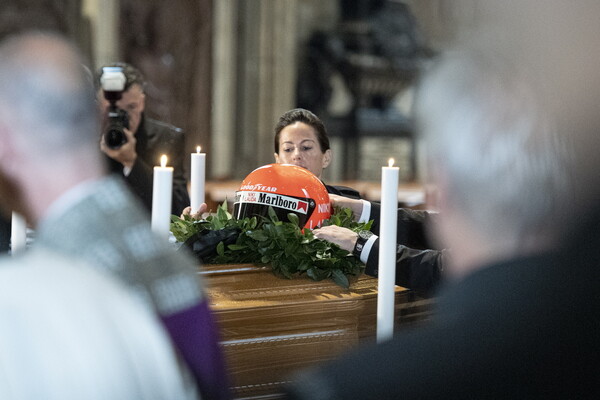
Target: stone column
(104,19)
(262,81)
(222,152)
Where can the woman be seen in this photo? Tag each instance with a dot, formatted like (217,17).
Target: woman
(301,139)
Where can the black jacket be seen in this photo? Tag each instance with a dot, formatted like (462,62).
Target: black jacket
(419,264)
(526,328)
(343,191)
(155,138)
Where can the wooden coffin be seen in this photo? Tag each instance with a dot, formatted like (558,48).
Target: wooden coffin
(272,327)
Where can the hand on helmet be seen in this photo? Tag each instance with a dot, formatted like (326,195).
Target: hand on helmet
(356,205)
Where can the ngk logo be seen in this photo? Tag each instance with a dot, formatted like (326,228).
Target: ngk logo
(324,208)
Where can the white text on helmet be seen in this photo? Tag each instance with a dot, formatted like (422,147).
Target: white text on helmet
(259,187)
(285,202)
(324,208)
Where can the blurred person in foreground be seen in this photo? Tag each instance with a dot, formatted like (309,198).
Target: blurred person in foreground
(50,161)
(519,318)
(147,140)
(68,332)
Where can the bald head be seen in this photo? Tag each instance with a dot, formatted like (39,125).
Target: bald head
(557,45)
(49,131)
(510,118)
(495,147)
(47,99)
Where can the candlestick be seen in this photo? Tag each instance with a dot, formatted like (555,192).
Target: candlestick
(387,252)
(18,233)
(162,189)
(198,176)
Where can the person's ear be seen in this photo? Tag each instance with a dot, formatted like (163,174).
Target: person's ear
(276,158)
(11,198)
(143,102)
(8,151)
(327,156)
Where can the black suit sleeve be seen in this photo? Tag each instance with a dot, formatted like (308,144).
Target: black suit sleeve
(419,270)
(343,191)
(411,227)
(140,180)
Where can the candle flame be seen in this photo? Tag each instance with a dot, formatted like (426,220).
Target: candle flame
(198,149)
(390,162)
(163,160)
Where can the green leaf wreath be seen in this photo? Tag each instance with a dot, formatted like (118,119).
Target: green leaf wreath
(281,244)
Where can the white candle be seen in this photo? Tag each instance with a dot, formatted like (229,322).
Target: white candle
(18,233)
(387,252)
(162,189)
(198,177)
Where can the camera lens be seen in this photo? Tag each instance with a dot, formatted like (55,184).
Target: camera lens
(114,135)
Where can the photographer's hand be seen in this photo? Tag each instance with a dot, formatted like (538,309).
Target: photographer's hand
(125,154)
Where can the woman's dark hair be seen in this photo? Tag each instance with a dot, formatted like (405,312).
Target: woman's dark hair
(305,116)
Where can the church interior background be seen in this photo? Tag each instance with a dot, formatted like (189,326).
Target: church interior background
(225,70)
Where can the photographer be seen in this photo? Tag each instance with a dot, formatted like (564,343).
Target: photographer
(143,142)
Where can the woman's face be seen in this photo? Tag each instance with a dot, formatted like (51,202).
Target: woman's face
(298,145)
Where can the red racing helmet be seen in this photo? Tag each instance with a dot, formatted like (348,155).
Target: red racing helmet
(288,189)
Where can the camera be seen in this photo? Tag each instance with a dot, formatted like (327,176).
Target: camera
(113,82)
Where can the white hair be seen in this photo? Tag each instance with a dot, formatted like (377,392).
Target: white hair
(69,333)
(489,134)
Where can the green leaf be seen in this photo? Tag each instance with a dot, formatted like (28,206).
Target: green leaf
(288,249)
(259,235)
(252,223)
(339,278)
(221,249)
(317,274)
(293,218)
(272,214)
(303,266)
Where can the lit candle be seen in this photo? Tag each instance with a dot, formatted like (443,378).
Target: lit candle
(18,233)
(198,176)
(161,198)
(387,252)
